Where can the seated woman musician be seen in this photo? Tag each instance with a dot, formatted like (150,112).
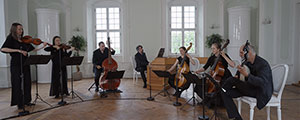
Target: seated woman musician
(178,62)
(224,59)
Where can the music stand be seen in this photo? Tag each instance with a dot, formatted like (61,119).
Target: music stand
(193,78)
(163,74)
(35,60)
(70,61)
(110,76)
(161,52)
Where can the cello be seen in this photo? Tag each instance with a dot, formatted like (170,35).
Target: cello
(109,65)
(217,70)
(183,68)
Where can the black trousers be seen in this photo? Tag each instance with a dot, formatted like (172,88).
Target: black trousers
(171,82)
(236,88)
(97,75)
(142,71)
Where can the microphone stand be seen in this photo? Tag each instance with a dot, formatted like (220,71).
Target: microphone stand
(62,102)
(203,116)
(24,112)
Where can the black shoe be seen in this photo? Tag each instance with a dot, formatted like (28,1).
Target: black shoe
(67,94)
(145,86)
(56,96)
(29,104)
(96,89)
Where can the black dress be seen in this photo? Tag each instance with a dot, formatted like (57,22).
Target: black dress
(15,70)
(55,88)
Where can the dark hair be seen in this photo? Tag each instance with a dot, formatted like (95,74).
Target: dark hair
(53,40)
(183,48)
(137,47)
(100,43)
(13,30)
(218,45)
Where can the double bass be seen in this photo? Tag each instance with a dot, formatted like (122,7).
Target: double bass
(109,65)
(183,68)
(217,70)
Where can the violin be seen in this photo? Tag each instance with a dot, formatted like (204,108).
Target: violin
(28,40)
(64,46)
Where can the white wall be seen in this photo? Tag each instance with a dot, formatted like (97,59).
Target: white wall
(144,23)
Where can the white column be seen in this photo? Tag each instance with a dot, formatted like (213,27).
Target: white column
(4,64)
(48,27)
(239,29)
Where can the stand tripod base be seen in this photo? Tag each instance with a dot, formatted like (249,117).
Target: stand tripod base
(39,97)
(23,113)
(150,98)
(74,94)
(177,104)
(61,103)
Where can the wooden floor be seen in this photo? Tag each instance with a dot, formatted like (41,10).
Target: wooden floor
(132,105)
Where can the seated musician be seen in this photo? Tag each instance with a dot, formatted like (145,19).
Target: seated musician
(141,63)
(99,56)
(178,62)
(258,83)
(225,59)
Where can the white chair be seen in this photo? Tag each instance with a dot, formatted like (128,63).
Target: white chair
(195,67)
(279,74)
(135,73)
(234,69)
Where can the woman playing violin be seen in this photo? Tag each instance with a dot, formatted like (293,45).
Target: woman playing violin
(19,51)
(56,50)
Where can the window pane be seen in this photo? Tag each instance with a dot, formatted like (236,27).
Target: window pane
(101,36)
(114,18)
(189,37)
(189,17)
(176,17)
(101,19)
(115,41)
(176,41)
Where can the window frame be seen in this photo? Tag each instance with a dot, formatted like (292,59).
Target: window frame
(182,29)
(108,5)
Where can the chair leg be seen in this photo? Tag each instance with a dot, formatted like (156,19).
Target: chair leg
(268,113)
(239,105)
(251,112)
(279,112)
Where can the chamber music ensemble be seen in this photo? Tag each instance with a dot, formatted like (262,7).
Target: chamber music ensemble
(253,77)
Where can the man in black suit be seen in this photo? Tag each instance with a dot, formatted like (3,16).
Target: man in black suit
(141,63)
(99,56)
(258,83)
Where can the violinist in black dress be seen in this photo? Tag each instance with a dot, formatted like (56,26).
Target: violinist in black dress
(58,52)
(19,53)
